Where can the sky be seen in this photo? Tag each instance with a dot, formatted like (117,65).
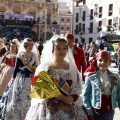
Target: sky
(63,0)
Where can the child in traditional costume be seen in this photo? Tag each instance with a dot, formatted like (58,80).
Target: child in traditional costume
(101,93)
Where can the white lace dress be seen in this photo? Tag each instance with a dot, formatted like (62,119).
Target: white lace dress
(53,109)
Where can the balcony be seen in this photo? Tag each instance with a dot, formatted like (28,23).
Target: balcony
(76,31)
(91,17)
(99,29)
(83,18)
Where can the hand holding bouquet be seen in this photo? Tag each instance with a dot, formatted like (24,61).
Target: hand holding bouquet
(47,84)
(44,87)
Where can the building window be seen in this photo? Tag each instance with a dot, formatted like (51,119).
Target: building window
(96,10)
(62,19)
(119,23)
(99,26)
(91,14)
(83,28)
(76,17)
(100,12)
(110,11)
(68,28)
(48,19)
(77,3)
(109,24)
(84,2)
(84,15)
(83,40)
(62,28)
(68,20)
(76,30)
(76,40)
(90,40)
(91,28)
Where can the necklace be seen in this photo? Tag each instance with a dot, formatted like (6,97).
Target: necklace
(105,89)
(11,55)
(27,58)
(72,49)
(58,65)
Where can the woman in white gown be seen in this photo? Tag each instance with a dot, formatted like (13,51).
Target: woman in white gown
(57,55)
(16,101)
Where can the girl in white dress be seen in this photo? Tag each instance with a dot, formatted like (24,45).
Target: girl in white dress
(57,55)
(16,101)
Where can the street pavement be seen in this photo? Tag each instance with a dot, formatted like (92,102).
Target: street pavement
(114,69)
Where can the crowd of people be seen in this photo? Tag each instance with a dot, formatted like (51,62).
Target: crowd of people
(81,76)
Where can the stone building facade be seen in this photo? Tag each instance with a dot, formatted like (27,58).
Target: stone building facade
(90,17)
(38,15)
(65,19)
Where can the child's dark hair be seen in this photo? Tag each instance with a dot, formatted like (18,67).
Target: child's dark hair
(58,40)
(26,43)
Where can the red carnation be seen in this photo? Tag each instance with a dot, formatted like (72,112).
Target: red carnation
(34,78)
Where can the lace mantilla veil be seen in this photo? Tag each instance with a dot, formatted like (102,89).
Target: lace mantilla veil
(34,50)
(47,57)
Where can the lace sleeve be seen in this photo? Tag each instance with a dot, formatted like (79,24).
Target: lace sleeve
(77,85)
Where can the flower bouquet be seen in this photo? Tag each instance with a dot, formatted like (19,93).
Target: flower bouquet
(44,87)
(47,84)
(60,83)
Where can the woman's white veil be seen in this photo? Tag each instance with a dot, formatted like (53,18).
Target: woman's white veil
(34,50)
(47,56)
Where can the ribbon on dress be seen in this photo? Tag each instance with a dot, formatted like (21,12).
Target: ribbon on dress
(27,63)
